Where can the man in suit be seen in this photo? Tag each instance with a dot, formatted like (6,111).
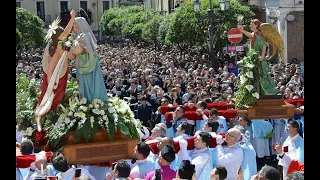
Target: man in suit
(143,111)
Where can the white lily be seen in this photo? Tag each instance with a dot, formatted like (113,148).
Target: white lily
(243,79)
(68,44)
(111,110)
(96,111)
(249,87)
(29,131)
(102,112)
(250,66)
(105,117)
(256,95)
(83,108)
(249,74)
(83,101)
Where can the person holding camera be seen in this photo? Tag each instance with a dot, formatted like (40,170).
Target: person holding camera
(166,157)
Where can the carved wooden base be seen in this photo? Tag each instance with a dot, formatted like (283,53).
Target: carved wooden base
(99,149)
(100,152)
(269,109)
(101,136)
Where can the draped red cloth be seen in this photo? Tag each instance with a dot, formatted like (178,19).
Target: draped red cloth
(217,105)
(295,166)
(190,141)
(295,101)
(192,115)
(24,161)
(59,92)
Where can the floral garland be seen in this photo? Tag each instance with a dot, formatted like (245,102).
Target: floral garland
(69,42)
(248,91)
(87,118)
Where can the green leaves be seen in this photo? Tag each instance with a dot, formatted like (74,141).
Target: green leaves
(30,26)
(111,129)
(124,129)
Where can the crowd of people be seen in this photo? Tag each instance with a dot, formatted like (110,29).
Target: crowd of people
(212,147)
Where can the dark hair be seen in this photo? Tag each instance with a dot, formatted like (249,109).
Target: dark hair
(26,147)
(221,171)
(294,124)
(182,108)
(270,173)
(123,169)
(143,149)
(246,118)
(203,104)
(82,13)
(186,127)
(186,170)
(59,162)
(297,175)
(214,111)
(168,153)
(213,124)
(206,137)
(54,41)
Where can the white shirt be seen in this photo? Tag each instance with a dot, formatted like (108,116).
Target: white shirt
(180,137)
(18,136)
(137,173)
(290,155)
(200,159)
(231,158)
(70,172)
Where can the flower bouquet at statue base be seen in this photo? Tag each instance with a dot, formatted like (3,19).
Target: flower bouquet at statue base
(106,130)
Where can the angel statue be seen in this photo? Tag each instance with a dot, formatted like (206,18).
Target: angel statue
(55,69)
(262,34)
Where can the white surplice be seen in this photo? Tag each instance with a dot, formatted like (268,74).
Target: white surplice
(231,158)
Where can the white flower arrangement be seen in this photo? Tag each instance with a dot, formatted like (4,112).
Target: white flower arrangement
(249,80)
(86,118)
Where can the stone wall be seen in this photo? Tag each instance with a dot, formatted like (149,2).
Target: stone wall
(295,37)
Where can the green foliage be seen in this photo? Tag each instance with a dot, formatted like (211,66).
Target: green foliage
(184,27)
(18,37)
(248,64)
(26,101)
(125,21)
(151,29)
(225,20)
(163,27)
(30,26)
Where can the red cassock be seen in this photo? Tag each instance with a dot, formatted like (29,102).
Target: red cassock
(59,92)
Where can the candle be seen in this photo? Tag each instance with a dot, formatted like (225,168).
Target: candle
(41,169)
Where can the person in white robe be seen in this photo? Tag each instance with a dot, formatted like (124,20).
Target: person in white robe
(183,131)
(211,126)
(279,134)
(201,107)
(143,165)
(292,148)
(201,156)
(214,114)
(230,156)
(249,163)
(261,133)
